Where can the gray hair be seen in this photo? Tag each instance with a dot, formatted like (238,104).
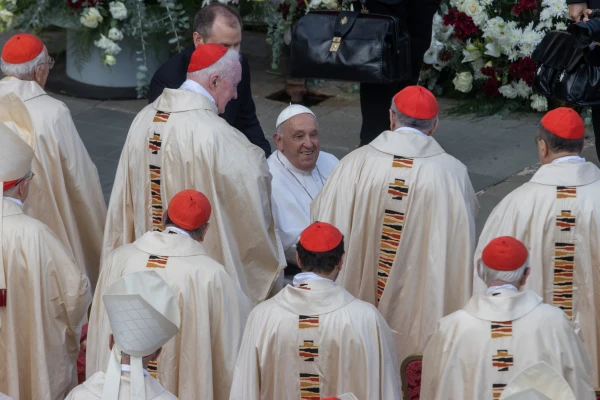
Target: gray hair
(24,71)
(420,124)
(224,67)
(489,275)
(13,191)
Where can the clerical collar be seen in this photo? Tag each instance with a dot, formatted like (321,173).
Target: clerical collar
(127,368)
(193,86)
(16,201)
(508,286)
(307,276)
(406,128)
(175,229)
(570,159)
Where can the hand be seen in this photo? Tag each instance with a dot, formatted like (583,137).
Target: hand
(576,10)
(586,14)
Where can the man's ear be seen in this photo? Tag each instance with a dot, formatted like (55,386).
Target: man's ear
(197,39)
(392,121)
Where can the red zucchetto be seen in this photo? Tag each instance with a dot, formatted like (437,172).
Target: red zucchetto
(565,123)
(21,48)
(189,209)
(206,55)
(504,253)
(320,237)
(416,102)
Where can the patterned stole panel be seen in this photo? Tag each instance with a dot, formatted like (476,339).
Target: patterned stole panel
(393,220)
(564,249)
(155,158)
(308,355)
(502,359)
(155,261)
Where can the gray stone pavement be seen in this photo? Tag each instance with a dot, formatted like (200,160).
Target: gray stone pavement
(499,152)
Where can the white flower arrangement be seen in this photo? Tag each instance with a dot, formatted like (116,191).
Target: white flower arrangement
(117,10)
(91,17)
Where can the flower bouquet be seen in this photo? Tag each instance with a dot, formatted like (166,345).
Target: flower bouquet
(481,49)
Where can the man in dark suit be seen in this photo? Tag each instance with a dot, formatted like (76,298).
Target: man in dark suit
(375,98)
(577,12)
(216,23)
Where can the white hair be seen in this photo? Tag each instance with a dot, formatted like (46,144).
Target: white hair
(489,275)
(404,120)
(23,71)
(12,192)
(224,67)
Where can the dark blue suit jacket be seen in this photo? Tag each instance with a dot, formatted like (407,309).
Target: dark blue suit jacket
(239,113)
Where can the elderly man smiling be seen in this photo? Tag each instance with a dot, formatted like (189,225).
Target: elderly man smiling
(299,172)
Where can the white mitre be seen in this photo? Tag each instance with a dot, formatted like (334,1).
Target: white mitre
(538,382)
(15,158)
(291,111)
(143,314)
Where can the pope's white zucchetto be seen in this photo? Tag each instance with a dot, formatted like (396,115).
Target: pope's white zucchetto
(291,111)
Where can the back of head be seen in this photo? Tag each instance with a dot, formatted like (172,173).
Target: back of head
(189,210)
(320,249)
(212,59)
(563,131)
(206,16)
(21,55)
(504,259)
(415,107)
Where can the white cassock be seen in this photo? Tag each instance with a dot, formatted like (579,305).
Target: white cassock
(557,216)
(92,388)
(314,341)
(292,192)
(5,397)
(476,351)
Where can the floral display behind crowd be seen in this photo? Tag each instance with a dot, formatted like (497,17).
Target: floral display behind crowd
(484,48)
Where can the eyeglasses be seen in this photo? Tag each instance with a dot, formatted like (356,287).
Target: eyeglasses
(50,63)
(30,177)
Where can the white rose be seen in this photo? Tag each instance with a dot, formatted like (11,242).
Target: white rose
(117,10)
(539,103)
(90,17)
(492,49)
(474,10)
(115,34)
(109,60)
(508,91)
(107,45)
(6,17)
(463,82)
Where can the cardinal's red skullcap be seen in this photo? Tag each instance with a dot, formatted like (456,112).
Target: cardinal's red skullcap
(320,237)
(504,253)
(21,48)
(189,209)
(206,55)
(565,123)
(416,102)
(10,184)
(331,398)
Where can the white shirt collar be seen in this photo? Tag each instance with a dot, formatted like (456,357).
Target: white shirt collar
(307,276)
(177,230)
(127,368)
(571,159)
(193,86)
(16,201)
(508,286)
(406,128)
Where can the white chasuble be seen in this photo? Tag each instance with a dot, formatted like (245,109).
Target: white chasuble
(315,341)
(198,362)
(476,351)
(92,388)
(179,142)
(407,211)
(47,297)
(293,191)
(65,193)
(557,216)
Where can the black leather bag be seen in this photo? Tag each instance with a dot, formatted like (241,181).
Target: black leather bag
(350,46)
(563,71)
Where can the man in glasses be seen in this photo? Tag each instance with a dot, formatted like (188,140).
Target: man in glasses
(67,195)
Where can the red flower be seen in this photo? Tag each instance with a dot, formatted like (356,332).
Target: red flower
(298,13)
(464,27)
(491,86)
(445,55)
(523,69)
(79,4)
(524,5)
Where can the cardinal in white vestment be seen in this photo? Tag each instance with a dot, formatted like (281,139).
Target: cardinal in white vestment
(557,215)
(143,312)
(43,294)
(199,363)
(67,195)
(180,142)
(538,382)
(299,169)
(314,339)
(476,351)
(407,210)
